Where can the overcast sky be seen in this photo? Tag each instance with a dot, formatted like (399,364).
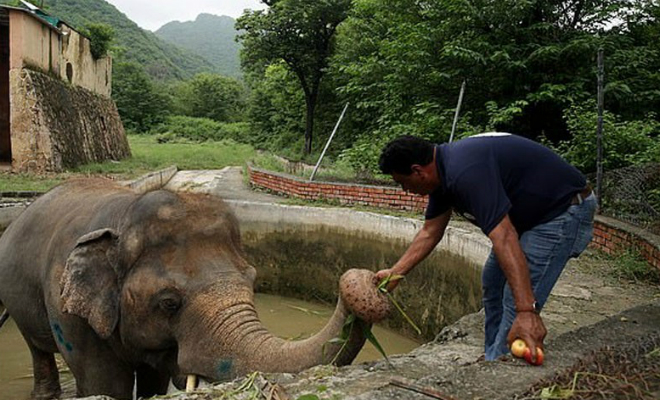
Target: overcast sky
(151,15)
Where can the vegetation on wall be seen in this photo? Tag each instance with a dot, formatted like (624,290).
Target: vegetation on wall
(101,37)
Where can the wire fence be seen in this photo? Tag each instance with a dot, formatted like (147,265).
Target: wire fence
(632,194)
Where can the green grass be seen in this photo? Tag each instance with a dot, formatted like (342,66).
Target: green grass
(28,182)
(331,172)
(147,155)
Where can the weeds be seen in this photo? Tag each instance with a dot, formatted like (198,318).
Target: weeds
(631,266)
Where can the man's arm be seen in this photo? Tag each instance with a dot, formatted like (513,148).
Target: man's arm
(424,242)
(528,325)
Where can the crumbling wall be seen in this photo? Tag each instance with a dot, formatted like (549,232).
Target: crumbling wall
(80,68)
(57,126)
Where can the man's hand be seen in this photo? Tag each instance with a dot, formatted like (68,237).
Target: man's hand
(529,327)
(384,273)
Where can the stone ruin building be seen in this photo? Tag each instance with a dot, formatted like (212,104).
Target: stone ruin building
(55,106)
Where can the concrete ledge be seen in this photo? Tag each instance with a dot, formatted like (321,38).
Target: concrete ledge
(610,235)
(450,367)
(461,239)
(152,181)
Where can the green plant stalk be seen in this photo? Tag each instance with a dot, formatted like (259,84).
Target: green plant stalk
(382,287)
(398,307)
(345,334)
(372,338)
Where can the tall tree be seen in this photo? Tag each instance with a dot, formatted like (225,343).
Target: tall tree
(299,32)
(140,103)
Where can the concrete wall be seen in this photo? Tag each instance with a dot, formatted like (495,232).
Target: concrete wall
(56,126)
(33,44)
(65,53)
(460,239)
(79,67)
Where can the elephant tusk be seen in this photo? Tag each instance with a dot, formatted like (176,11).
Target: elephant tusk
(191,383)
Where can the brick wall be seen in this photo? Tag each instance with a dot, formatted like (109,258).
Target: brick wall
(610,235)
(613,237)
(344,193)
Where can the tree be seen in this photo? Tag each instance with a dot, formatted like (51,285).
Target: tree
(213,96)
(140,103)
(299,32)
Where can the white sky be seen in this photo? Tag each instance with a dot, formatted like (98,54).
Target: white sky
(151,15)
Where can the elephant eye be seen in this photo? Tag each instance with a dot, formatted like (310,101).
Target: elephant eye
(170,303)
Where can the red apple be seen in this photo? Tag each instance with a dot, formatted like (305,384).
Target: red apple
(539,356)
(519,349)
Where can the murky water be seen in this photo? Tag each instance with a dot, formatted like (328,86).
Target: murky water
(307,261)
(285,317)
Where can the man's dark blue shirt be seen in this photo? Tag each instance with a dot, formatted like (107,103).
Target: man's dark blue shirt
(486,176)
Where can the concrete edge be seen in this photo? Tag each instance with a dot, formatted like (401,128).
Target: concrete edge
(460,238)
(153,180)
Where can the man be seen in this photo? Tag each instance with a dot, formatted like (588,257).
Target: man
(536,209)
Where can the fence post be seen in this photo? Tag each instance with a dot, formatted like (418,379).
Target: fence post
(458,110)
(311,178)
(599,129)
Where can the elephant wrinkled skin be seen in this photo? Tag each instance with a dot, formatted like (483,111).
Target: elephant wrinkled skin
(149,286)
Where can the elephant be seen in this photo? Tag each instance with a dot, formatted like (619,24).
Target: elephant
(137,289)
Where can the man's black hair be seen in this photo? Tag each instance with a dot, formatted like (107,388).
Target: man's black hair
(403,152)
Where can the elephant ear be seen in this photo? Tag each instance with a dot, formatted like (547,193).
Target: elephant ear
(89,284)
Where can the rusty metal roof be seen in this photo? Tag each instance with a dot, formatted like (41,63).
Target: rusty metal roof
(34,15)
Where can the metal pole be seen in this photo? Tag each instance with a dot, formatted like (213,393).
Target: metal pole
(458,110)
(311,178)
(599,129)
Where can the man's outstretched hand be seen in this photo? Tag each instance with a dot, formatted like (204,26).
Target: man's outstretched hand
(385,273)
(529,327)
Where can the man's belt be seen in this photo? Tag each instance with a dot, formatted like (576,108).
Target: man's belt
(580,196)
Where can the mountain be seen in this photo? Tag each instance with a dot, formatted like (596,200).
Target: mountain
(161,59)
(209,36)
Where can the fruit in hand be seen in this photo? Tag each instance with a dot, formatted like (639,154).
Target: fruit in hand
(539,356)
(519,349)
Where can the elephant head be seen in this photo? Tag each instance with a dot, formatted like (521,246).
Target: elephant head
(169,279)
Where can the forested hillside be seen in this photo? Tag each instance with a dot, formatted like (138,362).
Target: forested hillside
(209,36)
(160,59)
(529,66)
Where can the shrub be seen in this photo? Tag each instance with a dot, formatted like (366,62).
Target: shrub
(200,129)
(624,142)
(100,36)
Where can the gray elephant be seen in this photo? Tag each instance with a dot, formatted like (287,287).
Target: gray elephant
(150,286)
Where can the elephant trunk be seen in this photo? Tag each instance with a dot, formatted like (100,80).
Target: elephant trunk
(240,343)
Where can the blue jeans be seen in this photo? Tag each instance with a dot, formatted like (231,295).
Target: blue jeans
(547,248)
